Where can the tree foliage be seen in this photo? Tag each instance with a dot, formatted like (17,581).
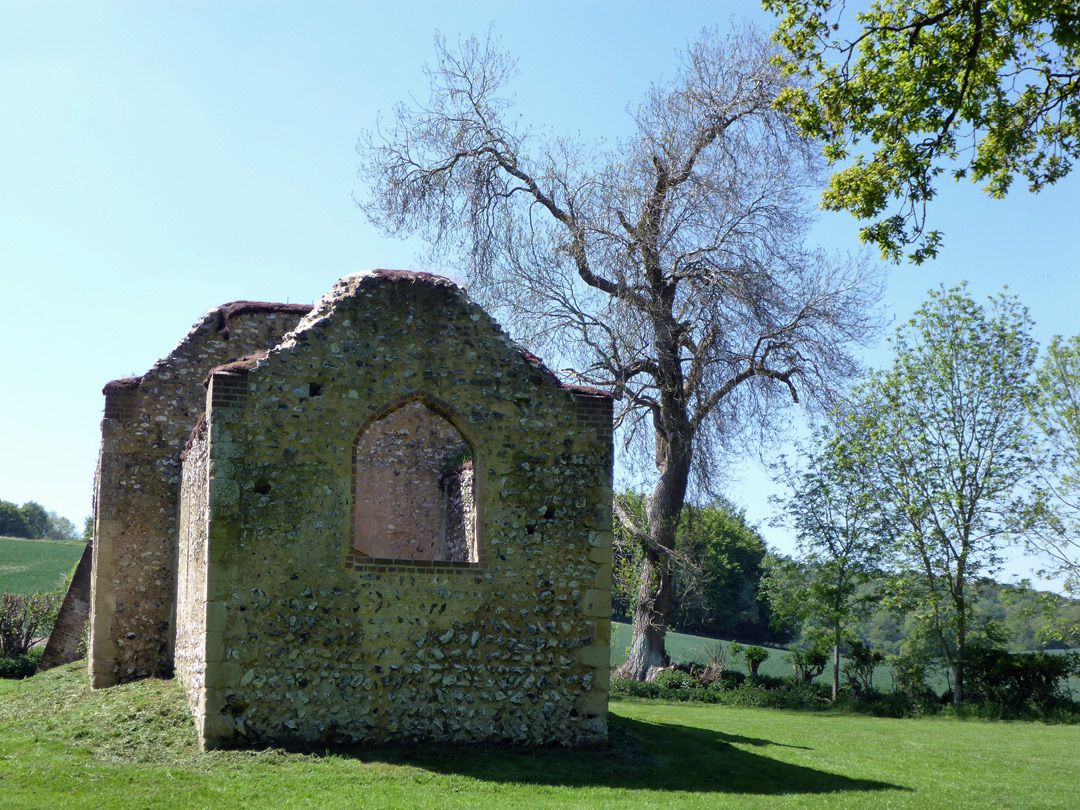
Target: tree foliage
(988,89)
(718,562)
(716,571)
(32,522)
(668,269)
(12,521)
(36,519)
(842,538)
(945,439)
(1057,413)
(60,528)
(24,620)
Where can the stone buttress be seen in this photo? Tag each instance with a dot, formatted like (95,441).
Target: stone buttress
(137,488)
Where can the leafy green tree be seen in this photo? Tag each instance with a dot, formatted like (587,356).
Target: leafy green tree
(1057,412)
(12,522)
(24,620)
(668,269)
(717,565)
(944,440)
(980,88)
(808,663)
(717,568)
(36,519)
(842,539)
(88,529)
(862,661)
(627,557)
(60,528)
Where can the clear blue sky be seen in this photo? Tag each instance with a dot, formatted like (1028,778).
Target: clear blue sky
(160,158)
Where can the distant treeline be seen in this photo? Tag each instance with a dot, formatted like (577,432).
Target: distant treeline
(33,522)
(719,562)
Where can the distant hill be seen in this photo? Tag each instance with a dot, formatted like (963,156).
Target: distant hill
(30,566)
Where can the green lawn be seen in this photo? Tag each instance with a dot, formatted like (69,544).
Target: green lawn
(36,566)
(65,746)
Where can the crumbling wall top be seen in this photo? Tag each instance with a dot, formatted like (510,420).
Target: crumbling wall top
(235,308)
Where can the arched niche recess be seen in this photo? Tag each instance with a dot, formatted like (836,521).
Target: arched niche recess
(413,489)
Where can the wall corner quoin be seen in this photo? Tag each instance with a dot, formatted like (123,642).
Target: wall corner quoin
(215,730)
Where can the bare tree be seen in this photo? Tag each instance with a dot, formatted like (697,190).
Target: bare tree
(668,269)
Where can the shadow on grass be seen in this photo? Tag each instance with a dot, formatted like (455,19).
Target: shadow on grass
(642,756)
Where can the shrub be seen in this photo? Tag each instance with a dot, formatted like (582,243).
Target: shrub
(909,675)
(713,672)
(755,656)
(676,679)
(1014,685)
(21,666)
(808,664)
(862,661)
(24,620)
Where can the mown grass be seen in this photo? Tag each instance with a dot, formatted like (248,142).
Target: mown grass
(36,566)
(65,746)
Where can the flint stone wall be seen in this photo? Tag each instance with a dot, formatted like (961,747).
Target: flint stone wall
(289,635)
(146,424)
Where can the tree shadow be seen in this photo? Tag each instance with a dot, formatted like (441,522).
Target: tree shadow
(641,756)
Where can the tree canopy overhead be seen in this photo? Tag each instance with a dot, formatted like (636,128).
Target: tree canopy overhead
(668,269)
(986,89)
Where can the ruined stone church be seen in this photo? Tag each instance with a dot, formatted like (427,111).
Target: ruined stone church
(375,519)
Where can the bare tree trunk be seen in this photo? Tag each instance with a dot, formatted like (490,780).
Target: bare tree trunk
(656,594)
(961,650)
(836,667)
(647,649)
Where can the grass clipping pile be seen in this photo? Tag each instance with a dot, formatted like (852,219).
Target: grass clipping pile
(149,722)
(146,722)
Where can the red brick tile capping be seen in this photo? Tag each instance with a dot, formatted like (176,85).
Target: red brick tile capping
(122,398)
(229,389)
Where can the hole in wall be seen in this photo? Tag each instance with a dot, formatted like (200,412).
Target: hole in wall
(413,492)
(314,390)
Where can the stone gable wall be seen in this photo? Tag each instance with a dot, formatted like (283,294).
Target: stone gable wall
(146,424)
(307,641)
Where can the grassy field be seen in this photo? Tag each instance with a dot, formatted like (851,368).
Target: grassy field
(36,566)
(684,648)
(65,746)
